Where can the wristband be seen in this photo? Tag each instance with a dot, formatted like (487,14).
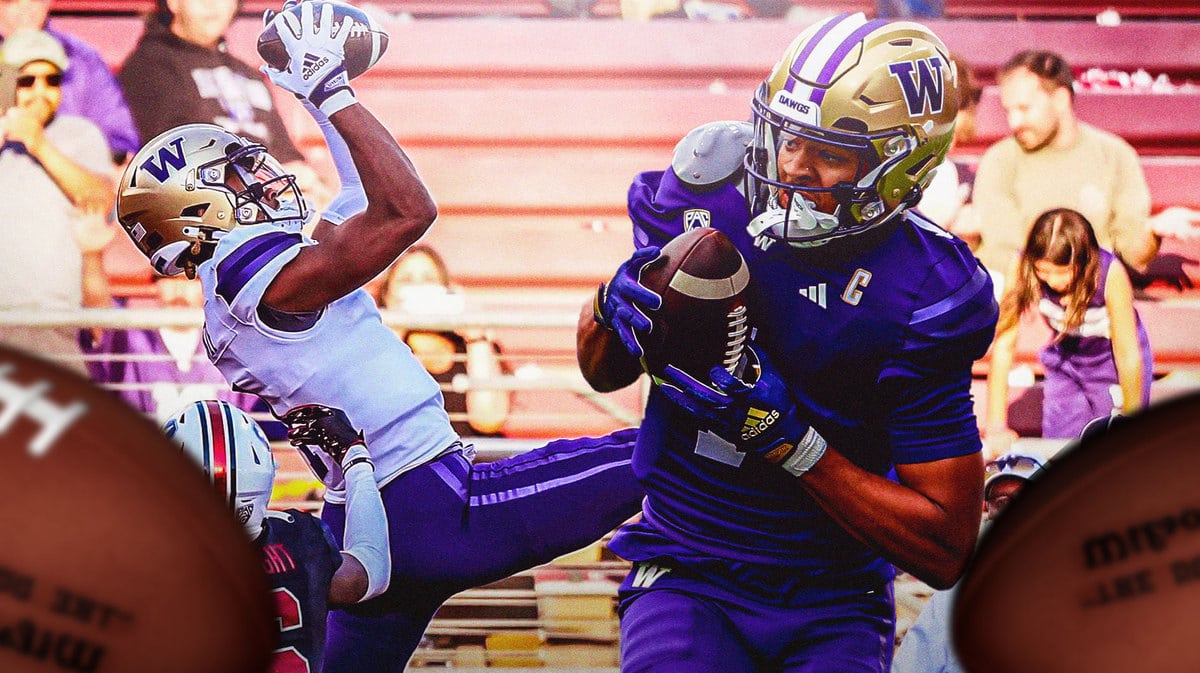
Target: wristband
(808,451)
(333,93)
(356,454)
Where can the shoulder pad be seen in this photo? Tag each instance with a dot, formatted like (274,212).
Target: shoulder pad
(712,152)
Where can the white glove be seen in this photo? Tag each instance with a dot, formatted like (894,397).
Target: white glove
(314,45)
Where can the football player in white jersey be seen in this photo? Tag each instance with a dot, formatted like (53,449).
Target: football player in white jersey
(286,319)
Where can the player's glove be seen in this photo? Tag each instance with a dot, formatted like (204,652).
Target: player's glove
(315,47)
(760,417)
(330,430)
(622,302)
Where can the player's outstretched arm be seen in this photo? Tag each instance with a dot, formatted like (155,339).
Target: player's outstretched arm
(398,208)
(366,557)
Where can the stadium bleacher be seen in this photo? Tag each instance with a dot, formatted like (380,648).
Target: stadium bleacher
(528,133)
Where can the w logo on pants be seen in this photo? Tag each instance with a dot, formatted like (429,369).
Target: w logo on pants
(646,574)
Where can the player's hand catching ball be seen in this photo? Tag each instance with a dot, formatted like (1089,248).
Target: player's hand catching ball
(759,417)
(328,429)
(621,303)
(315,44)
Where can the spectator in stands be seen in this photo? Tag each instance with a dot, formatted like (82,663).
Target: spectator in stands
(1053,160)
(910,9)
(88,86)
(926,647)
(947,200)
(642,10)
(418,283)
(181,72)
(1099,361)
(54,170)
(159,370)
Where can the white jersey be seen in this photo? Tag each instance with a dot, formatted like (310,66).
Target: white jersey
(347,359)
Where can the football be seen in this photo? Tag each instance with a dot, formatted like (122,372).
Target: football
(117,556)
(1095,565)
(702,322)
(363,48)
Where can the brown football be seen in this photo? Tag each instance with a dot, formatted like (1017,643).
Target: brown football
(1095,565)
(117,557)
(702,322)
(363,49)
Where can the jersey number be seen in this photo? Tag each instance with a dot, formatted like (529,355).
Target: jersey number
(287,612)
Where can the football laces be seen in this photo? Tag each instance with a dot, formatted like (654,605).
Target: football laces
(30,401)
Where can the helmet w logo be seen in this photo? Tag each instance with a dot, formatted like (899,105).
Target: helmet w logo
(166,158)
(922,83)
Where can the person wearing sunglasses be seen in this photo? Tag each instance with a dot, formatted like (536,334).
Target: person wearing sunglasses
(89,87)
(54,189)
(926,647)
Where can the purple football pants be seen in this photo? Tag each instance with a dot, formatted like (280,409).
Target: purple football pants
(454,525)
(683,624)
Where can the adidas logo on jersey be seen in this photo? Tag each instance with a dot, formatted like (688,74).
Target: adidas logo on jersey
(311,64)
(815,294)
(758,421)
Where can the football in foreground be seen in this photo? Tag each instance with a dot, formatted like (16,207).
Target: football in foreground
(1095,565)
(117,555)
(363,48)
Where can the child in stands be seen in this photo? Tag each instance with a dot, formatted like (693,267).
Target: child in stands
(1098,362)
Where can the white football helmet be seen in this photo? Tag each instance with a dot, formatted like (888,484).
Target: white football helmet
(887,91)
(234,452)
(187,187)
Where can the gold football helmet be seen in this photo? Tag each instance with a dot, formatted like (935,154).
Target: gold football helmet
(190,185)
(888,91)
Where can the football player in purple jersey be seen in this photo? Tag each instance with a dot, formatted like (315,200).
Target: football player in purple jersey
(286,318)
(782,496)
(307,571)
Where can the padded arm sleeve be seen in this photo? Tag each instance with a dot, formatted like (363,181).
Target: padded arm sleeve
(351,199)
(366,536)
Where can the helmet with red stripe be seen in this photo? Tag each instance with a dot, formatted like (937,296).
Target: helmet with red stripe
(234,452)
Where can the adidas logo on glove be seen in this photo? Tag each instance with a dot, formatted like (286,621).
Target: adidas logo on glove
(311,64)
(757,422)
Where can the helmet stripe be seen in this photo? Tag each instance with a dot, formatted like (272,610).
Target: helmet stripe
(221,454)
(802,57)
(839,54)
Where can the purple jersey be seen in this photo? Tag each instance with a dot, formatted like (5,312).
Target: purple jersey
(879,330)
(1081,372)
(299,557)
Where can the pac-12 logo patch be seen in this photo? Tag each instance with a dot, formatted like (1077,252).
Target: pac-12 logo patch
(694,218)
(922,83)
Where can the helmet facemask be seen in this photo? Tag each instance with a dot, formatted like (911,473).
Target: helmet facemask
(262,190)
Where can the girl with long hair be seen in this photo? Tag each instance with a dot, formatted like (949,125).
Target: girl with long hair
(1098,362)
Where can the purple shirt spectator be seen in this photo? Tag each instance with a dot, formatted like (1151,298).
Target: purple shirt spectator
(90,90)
